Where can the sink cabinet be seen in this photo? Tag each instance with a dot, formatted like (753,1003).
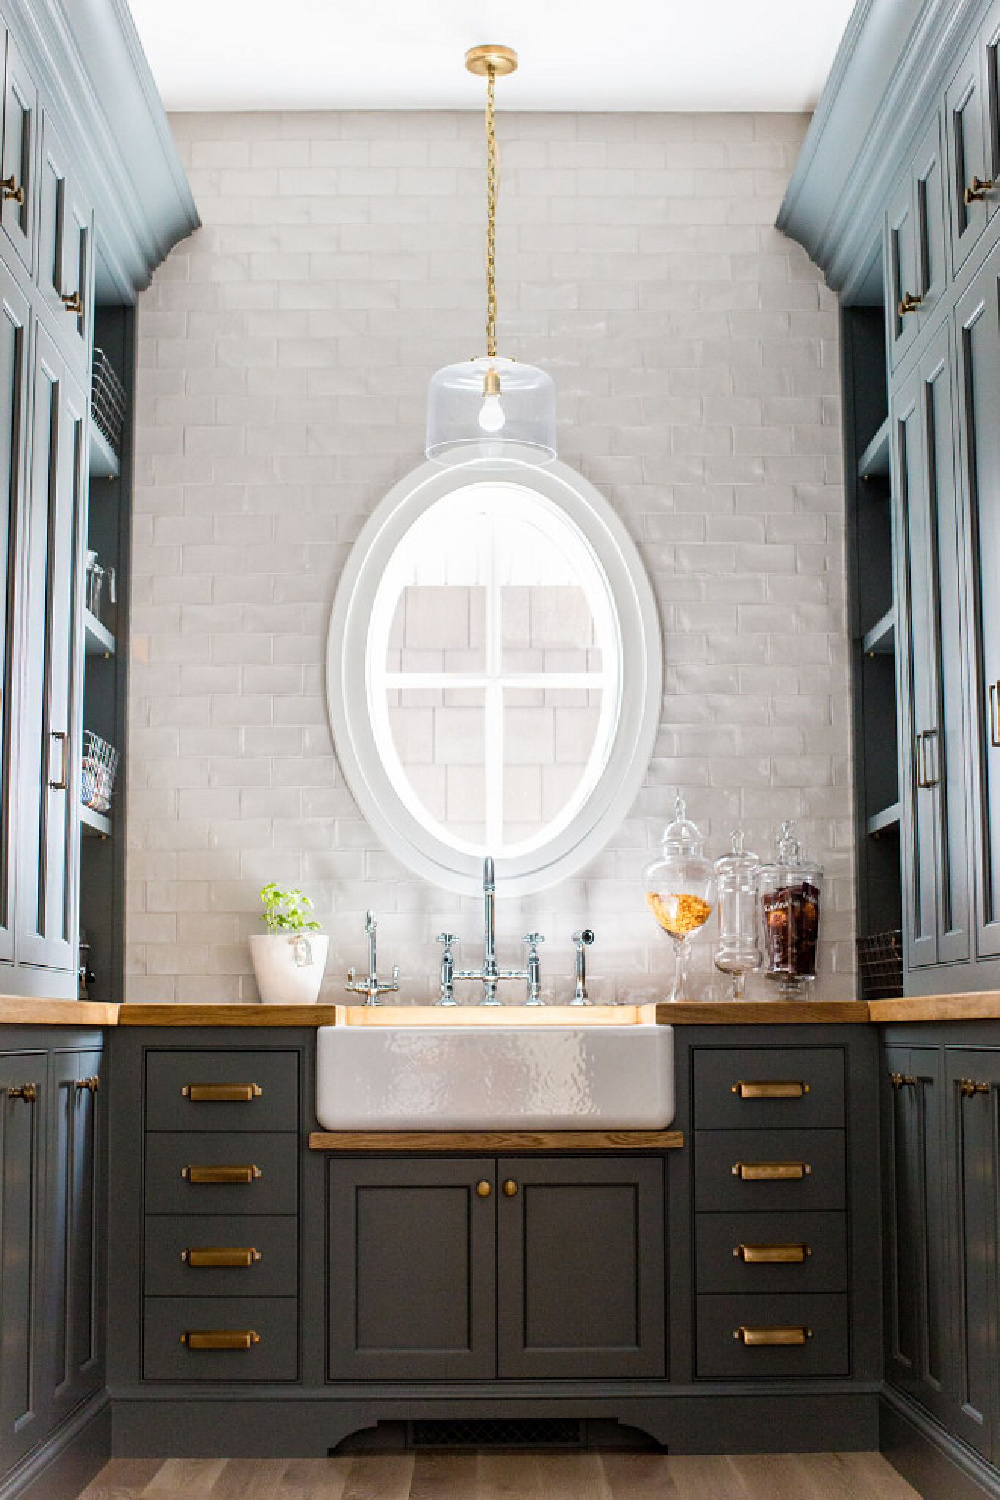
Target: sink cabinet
(483,1267)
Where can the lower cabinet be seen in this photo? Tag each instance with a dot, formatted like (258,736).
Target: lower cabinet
(479,1267)
(51,1273)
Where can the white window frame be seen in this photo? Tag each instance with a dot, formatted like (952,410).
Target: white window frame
(357,735)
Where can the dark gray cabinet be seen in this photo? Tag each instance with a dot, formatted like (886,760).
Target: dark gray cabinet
(480,1268)
(22,1286)
(14,405)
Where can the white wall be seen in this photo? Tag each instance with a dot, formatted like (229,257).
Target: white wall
(284,355)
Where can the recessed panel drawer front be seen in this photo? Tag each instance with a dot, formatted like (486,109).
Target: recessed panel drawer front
(745,1337)
(222,1090)
(262,1173)
(767,1253)
(757,1171)
(229,1339)
(230,1255)
(761,1088)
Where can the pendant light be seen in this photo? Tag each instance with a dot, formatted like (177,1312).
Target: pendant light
(491,407)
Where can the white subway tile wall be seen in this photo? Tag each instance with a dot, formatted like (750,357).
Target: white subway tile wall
(284,353)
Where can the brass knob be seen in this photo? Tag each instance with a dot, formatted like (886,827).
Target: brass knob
(12,191)
(510,1188)
(92,1084)
(28,1092)
(72,302)
(907,303)
(484,1188)
(977,190)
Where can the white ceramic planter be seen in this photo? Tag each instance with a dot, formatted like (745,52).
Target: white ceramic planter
(289,966)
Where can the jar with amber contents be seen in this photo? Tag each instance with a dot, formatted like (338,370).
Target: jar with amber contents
(680,890)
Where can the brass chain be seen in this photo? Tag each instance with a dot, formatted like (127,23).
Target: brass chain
(491,230)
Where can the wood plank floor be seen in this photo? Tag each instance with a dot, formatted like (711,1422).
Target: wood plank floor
(495,1476)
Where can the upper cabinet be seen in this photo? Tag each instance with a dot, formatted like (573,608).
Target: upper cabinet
(64,247)
(18,158)
(915,239)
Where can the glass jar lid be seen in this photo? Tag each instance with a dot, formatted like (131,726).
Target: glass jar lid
(682,836)
(739,863)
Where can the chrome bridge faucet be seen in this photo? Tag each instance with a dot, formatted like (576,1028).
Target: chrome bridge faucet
(372,987)
(490,975)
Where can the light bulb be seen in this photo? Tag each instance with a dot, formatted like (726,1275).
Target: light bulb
(491,417)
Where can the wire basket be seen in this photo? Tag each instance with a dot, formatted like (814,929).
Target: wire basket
(107,399)
(880,965)
(100,763)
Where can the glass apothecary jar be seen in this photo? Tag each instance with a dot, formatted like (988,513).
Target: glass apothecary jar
(737,880)
(790,902)
(680,890)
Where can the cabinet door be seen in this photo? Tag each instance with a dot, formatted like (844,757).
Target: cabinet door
(72,1281)
(18,168)
(916,677)
(967,155)
(932,658)
(916,1277)
(13,453)
(65,247)
(49,720)
(928,177)
(973,1170)
(902,278)
(412,1271)
(977,317)
(581,1267)
(21,1164)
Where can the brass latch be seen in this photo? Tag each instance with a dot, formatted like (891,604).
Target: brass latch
(28,1092)
(967,1087)
(902,1080)
(91,1084)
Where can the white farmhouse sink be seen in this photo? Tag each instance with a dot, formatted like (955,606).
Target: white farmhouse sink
(495,1077)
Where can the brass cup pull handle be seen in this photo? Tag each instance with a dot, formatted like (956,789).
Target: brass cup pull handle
(28,1092)
(977,190)
(13,191)
(226,1174)
(771,1171)
(995,715)
(777,1089)
(60,783)
(772,1255)
(484,1188)
(968,1086)
(907,303)
(902,1080)
(764,1338)
(209,1256)
(91,1084)
(72,302)
(222,1093)
(510,1188)
(220,1338)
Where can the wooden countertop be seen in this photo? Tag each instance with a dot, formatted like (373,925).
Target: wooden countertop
(17,1011)
(983,1006)
(761,1012)
(227,1015)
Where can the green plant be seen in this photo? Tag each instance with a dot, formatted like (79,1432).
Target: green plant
(287,911)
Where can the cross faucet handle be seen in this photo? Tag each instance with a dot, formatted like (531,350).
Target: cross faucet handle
(533,939)
(447,938)
(386,987)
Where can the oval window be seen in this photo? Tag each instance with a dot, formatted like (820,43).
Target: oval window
(494,672)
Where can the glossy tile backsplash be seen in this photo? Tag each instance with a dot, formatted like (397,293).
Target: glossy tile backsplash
(284,356)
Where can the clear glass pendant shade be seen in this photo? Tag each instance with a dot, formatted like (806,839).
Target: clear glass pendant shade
(490,407)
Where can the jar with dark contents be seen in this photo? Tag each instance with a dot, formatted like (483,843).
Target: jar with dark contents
(790,904)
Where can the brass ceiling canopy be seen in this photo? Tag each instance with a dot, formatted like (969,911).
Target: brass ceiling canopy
(491,56)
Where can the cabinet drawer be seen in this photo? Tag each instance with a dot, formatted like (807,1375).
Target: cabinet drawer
(188,1090)
(269,1323)
(718,1187)
(742,1252)
(268,1246)
(721,1354)
(273,1191)
(768,1087)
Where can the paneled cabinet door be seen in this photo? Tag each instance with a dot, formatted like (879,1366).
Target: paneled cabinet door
(65,248)
(412,1271)
(915,244)
(49,736)
(931,664)
(977,317)
(75,1359)
(916,1279)
(968,164)
(18,158)
(901,269)
(13,453)
(580,1267)
(972,1170)
(22,1096)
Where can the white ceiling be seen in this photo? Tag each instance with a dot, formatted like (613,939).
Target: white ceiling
(408,54)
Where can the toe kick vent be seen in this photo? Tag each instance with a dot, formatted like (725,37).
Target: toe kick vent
(499,1432)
